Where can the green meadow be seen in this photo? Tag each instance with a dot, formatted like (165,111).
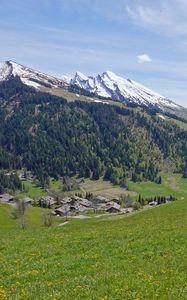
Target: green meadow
(172,184)
(32,190)
(140,256)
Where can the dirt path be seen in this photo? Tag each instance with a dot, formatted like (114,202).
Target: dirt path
(63,224)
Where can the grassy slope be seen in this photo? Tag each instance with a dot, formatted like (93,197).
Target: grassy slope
(181,124)
(101,187)
(73,97)
(33,218)
(138,257)
(172,184)
(56,185)
(33,191)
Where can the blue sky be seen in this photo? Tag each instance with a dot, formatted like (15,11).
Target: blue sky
(144,40)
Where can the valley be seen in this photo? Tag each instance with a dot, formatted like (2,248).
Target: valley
(93,150)
(93,190)
(172,184)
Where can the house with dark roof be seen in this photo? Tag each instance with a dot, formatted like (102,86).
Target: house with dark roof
(62,211)
(47,201)
(112,207)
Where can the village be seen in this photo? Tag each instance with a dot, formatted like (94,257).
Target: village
(77,206)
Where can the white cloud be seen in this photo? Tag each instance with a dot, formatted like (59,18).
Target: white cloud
(147,15)
(144,58)
(166,17)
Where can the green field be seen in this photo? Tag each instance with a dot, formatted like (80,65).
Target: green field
(33,217)
(172,184)
(32,190)
(56,185)
(103,188)
(142,256)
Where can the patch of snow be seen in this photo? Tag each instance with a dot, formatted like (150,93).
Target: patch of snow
(67,78)
(162,117)
(5,71)
(97,101)
(30,83)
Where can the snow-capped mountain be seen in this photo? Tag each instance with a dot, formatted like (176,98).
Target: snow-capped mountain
(109,85)
(28,76)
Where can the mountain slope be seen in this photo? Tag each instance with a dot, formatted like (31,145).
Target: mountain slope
(28,76)
(109,85)
(50,136)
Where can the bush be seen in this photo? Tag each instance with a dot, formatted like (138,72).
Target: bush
(136,206)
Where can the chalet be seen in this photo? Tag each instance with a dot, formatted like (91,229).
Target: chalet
(27,200)
(62,211)
(85,202)
(66,200)
(112,207)
(100,199)
(126,210)
(169,199)
(6,198)
(153,203)
(76,198)
(78,208)
(81,201)
(100,207)
(109,203)
(116,199)
(48,201)
(52,213)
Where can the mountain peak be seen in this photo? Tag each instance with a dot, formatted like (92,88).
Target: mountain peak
(28,76)
(109,73)
(117,88)
(107,85)
(81,75)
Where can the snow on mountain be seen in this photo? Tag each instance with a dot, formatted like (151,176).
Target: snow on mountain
(28,76)
(66,78)
(109,85)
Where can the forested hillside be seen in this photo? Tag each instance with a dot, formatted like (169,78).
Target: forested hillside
(52,137)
